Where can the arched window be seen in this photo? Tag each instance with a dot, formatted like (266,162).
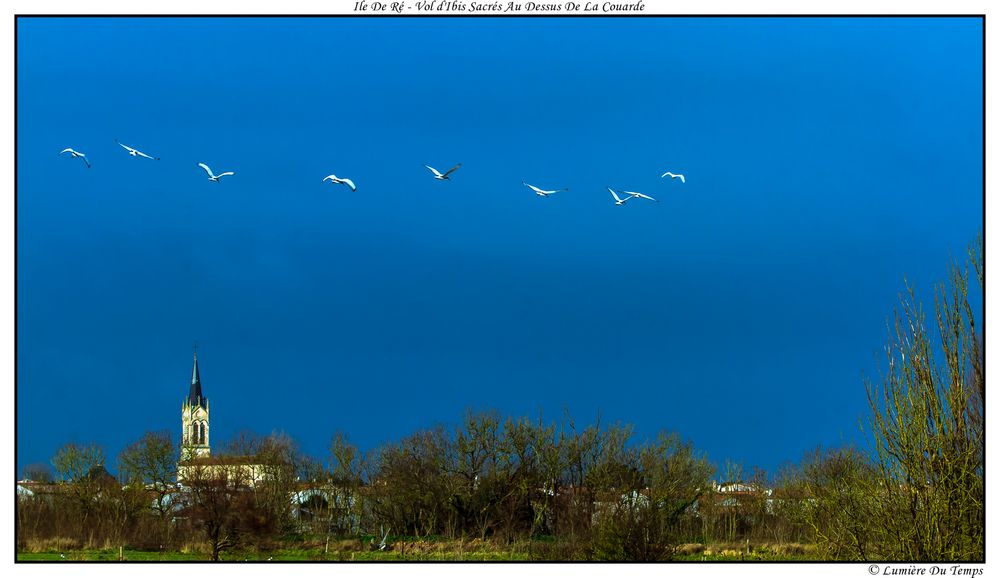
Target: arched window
(201,438)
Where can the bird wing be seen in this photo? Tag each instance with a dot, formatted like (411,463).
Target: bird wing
(67,151)
(128,148)
(330,178)
(673,176)
(227,174)
(142,154)
(452,169)
(641,195)
(207,170)
(532,187)
(614,194)
(85,160)
(349,183)
(435,171)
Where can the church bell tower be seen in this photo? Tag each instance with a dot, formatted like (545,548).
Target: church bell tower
(194,420)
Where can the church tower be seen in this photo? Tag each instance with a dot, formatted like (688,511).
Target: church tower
(194,420)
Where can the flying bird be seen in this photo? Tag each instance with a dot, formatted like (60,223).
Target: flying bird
(76,155)
(338,181)
(673,176)
(540,192)
(214,178)
(443,177)
(618,200)
(641,196)
(135,152)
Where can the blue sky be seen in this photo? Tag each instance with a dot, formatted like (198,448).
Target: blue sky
(826,161)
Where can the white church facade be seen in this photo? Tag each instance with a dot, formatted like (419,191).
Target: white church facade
(196,460)
(194,420)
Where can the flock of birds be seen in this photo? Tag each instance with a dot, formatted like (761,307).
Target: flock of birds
(138,153)
(619,200)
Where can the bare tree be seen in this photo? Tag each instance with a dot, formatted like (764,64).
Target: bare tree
(220,504)
(279,458)
(79,468)
(348,468)
(411,490)
(640,520)
(151,462)
(839,503)
(41,473)
(927,427)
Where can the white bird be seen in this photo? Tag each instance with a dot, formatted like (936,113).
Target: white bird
(673,176)
(540,192)
(212,177)
(618,200)
(76,155)
(385,534)
(135,152)
(338,181)
(443,177)
(640,195)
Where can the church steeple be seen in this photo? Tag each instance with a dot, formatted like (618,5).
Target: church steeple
(195,397)
(194,419)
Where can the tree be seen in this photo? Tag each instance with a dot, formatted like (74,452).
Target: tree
(220,505)
(98,508)
(838,503)
(270,465)
(38,473)
(151,462)
(927,427)
(581,451)
(347,473)
(640,518)
(482,473)
(279,458)
(411,491)
(550,458)
(74,462)
(678,477)
(78,469)
(788,507)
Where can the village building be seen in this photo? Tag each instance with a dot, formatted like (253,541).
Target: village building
(196,460)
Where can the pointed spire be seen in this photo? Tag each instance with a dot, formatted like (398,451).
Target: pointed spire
(195,397)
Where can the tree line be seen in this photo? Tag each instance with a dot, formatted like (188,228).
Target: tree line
(593,492)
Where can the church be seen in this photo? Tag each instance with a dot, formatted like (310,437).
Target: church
(196,460)
(194,420)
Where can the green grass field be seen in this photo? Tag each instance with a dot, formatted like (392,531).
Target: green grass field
(279,556)
(411,552)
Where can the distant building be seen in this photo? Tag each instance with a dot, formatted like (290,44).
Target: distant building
(194,420)
(24,489)
(196,461)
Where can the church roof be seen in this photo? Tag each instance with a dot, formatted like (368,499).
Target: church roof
(195,396)
(222,460)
